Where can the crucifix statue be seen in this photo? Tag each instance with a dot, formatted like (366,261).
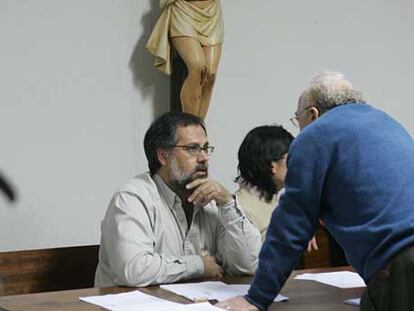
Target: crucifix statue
(194,30)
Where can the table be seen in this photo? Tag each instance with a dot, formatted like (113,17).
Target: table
(303,295)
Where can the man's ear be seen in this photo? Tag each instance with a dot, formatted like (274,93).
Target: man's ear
(162,156)
(314,113)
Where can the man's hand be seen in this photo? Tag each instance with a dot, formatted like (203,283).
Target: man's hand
(211,268)
(205,190)
(237,304)
(312,245)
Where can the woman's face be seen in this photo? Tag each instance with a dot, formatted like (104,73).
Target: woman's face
(279,170)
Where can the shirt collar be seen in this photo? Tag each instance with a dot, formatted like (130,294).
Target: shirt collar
(171,198)
(255,190)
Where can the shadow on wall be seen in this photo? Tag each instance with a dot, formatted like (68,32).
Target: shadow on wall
(149,80)
(7,189)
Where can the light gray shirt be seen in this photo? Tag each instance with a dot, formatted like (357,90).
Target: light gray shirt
(146,239)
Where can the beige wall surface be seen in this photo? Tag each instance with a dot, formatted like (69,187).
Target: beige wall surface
(78,91)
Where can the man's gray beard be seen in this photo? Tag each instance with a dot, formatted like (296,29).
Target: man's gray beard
(179,179)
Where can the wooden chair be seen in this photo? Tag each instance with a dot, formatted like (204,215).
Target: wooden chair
(330,254)
(32,271)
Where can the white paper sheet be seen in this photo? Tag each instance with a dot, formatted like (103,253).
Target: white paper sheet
(341,279)
(205,306)
(137,300)
(211,290)
(353,302)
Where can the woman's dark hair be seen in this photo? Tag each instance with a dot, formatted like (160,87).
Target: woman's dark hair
(260,147)
(163,134)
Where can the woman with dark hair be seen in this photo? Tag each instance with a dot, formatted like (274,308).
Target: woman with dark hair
(262,170)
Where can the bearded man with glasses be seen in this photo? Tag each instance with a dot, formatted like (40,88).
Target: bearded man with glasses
(174,222)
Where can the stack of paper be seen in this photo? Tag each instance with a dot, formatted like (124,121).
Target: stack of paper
(211,290)
(353,301)
(137,300)
(341,279)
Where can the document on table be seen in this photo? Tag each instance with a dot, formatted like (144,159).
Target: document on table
(341,279)
(137,300)
(211,290)
(353,302)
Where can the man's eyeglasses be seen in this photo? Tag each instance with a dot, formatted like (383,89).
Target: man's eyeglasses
(195,149)
(295,119)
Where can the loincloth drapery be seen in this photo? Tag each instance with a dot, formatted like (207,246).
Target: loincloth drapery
(181,18)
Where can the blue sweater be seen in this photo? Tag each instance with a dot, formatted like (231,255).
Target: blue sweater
(354,169)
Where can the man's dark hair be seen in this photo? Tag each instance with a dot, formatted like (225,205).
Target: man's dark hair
(163,134)
(260,147)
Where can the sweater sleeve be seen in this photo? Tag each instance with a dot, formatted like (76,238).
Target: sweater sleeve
(294,222)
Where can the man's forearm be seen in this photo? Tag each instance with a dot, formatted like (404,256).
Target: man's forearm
(239,241)
(152,269)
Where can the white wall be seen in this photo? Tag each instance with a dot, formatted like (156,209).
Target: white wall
(78,92)
(273,48)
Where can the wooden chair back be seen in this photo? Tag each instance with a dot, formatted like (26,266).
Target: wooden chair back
(330,254)
(33,271)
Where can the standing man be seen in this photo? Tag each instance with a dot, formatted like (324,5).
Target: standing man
(174,222)
(352,166)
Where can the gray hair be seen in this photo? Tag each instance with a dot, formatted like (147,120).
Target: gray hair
(163,134)
(330,89)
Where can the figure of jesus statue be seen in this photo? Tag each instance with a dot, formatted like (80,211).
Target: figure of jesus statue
(194,29)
